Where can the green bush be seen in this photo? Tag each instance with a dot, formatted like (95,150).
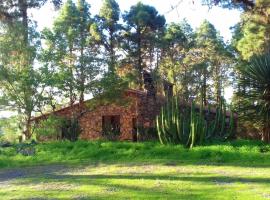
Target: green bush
(111,133)
(50,128)
(9,130)
(147,133)
(71,129)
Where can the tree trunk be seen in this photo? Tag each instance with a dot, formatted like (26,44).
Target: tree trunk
(111,52)
(266,132)
(140,68)
(71,86)
(204,87)
(27,130)
(218,84)
(82,70)
(23,12)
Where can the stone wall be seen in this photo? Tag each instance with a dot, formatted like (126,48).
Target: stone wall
(91,122)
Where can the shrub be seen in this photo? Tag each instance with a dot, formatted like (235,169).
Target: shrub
(71,129)
(256,103)
(50,128)
(9,130)
(26,149)
(111,133)
(147,133)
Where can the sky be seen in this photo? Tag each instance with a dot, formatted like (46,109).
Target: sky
(191,10)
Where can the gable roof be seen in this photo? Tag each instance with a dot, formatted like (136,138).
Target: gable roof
(82,105)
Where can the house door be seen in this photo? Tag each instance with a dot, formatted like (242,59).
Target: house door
(134,130)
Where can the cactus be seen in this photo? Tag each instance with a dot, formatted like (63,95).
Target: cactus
(193,124)
(231,128)
(222,117)
(191,128)
(198,127)
(169,123)
(231,124)
(217,127)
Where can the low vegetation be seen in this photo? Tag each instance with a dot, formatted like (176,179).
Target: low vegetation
(57,128)
(124,170)
(240,152)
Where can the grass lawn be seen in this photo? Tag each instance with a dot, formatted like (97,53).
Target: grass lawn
(123,170)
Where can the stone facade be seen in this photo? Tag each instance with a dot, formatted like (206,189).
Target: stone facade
(141,110)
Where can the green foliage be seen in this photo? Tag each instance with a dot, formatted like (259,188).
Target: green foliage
(106,31)
(237,152)
(57,128)
(20,84)
(256,76)
(70,62)
(251,35)
(9,130)
(212,62)
(251,46)
(178,39)
(196,62)
(111,133)
(230,4)
(144,26)
(11,10)
(50,128)
(108,90)
(110,12)
(71,129)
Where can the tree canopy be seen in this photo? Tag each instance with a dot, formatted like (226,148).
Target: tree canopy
(83,55)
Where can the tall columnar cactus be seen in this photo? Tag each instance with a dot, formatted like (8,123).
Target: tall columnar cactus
(191,128)
(198,127)
(169,123)
(217,127)
(231,129)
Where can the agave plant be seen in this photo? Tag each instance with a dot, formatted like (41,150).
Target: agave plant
(256,76)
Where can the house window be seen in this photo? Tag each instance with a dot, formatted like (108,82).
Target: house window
(111,124)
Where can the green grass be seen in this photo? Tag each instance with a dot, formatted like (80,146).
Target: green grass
(123,170)
(239,153)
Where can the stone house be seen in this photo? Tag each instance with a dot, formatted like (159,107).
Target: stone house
(139,111)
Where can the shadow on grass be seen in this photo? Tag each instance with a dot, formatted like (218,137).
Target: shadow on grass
(122,186)
(119,191)
(192,177)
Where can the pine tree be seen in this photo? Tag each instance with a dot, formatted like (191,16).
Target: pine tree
(143,28)
(69,54)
